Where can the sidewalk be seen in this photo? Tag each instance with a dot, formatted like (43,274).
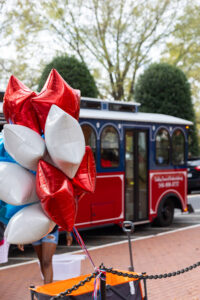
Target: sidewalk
(163,253)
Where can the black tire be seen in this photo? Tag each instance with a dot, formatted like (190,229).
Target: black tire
(165,213)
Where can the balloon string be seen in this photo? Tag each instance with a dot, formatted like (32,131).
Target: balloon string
(82,244)
(100,272)
(96,288)
(97,283)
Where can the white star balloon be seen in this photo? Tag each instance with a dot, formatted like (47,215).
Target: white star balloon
(17,185)
(25,145)
(64,140)
(28,225)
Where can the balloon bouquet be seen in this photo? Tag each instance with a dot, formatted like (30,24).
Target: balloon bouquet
(45,167)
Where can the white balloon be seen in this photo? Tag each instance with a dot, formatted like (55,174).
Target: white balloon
(25,145)
(28,225)
(17,185)
(48,159)
(64,140)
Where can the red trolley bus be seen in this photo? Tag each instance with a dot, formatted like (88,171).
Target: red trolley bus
(140,161)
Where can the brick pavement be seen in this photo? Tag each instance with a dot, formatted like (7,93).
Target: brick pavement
(159,254)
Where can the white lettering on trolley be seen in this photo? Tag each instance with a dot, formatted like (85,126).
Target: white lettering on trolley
(168,184)
(168,178)
(168,181)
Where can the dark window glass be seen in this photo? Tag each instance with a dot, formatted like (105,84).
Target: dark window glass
(121,107)
(178,147)
(190,144)
(162,147)
(1,96)
(109,147)
(90,104)
(90,137)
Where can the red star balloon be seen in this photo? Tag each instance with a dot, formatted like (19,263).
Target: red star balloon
(85,178)
(56,91)
(17,106)
(56,193)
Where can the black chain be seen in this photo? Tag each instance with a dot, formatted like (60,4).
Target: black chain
(160,276)
(75,287)
(115,272)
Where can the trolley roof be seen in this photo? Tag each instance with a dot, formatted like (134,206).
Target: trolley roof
(136,117)
(127,116)
(123,111)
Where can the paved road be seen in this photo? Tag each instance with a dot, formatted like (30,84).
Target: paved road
(112,234)
(194,199)
(153,255)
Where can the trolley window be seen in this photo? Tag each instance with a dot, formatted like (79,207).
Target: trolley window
(162,147)
(90,137)
(109,147)
(178,147)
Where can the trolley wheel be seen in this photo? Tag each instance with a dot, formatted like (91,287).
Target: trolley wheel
(165,213)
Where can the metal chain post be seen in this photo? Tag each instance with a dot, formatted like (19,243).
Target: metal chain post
(128,227)
(103,286)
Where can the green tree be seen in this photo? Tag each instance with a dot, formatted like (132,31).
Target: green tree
(5,63)
(113,37)
(165,89)
(11,60)
(75,73)
(183,48)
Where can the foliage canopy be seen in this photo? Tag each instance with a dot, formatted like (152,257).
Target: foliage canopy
(75,73)
(165,89)
(183,48)
(113,37)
